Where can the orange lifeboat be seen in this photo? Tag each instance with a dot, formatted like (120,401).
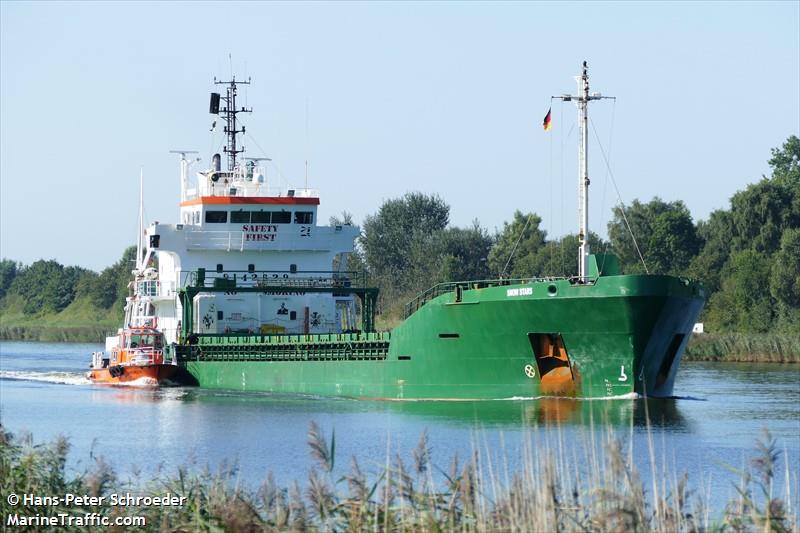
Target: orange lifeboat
(135,357)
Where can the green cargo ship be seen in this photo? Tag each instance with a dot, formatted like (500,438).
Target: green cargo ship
(247,296)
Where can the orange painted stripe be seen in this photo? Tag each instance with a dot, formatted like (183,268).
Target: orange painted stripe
(231,200)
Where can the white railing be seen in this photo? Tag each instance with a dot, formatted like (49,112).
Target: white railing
(144,322)
(145,356)
(155,288)
(245,183)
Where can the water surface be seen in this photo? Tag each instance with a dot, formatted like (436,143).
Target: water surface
(720,409)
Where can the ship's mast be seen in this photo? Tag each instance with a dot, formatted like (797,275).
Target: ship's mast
(140,232)
(229,113)
(582,100)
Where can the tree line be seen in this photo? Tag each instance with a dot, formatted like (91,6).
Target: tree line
(747,255)
(47,286)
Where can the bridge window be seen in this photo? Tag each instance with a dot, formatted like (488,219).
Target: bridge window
(281,217)
(240,216)
(216,217)
(260,217)
(303,217)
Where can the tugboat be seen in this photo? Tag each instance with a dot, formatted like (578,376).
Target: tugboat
(135,357)
(251,294)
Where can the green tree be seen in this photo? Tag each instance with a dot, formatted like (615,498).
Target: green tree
(346,219)
(111,286)
(8,271)
(744,303)
(46,286)
(399,240)
(785,161)
(761,213)
(463,253)
(673,242)
(785,281)
(715,233)
(516,246)
(665,234)
(560,257)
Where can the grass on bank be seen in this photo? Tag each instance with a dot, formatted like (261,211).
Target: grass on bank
(80,321)
(547,493)
(749,348)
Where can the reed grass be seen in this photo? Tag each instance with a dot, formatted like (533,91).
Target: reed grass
(548,492)
(749,348)
(95,334)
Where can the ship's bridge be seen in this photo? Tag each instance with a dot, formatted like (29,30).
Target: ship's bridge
(237,223)
(241,202)
(236,211)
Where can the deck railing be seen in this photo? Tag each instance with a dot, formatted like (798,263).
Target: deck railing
(305,279)
(154,288)
(145,356)
(444,288)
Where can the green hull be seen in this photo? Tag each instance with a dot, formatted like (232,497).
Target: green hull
(621,334)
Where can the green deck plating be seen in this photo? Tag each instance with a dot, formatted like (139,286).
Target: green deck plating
(477,340)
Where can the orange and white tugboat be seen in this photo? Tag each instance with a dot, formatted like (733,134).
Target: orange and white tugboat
(135,356)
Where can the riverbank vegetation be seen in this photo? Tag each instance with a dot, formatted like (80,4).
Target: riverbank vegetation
(46,301)
(546,492)
(747,256)
(744,348)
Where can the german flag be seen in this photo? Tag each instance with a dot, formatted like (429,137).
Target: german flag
(546,124)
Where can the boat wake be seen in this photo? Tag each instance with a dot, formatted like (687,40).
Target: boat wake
(77,378)
(64,378)
(628,396)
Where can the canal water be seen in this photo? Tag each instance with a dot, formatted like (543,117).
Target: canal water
(712,424)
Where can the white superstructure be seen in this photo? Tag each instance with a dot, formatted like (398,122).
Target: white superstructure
(232,225)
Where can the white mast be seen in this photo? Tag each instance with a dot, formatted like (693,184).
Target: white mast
(582,101)
(184,169)
(583,210)
(140,232)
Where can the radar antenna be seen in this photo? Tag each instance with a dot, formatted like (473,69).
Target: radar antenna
(229,112)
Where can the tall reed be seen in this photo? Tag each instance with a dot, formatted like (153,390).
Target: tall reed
(739,347)
(548,491)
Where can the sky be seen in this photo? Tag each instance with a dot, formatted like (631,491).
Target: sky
(384,98)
